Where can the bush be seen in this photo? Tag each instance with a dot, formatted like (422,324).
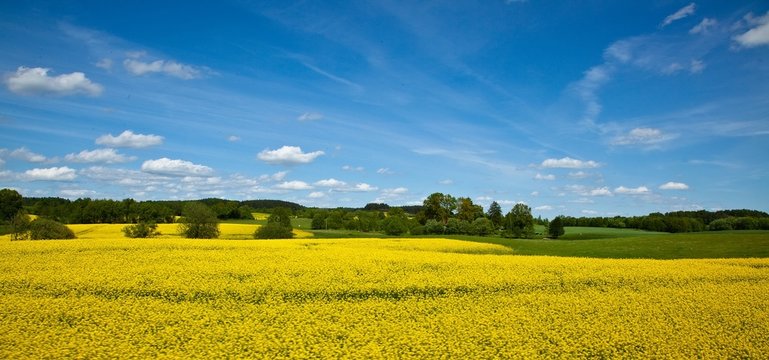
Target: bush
(482,227)
(20,226)
(141,230)
(41,229)
(273,230)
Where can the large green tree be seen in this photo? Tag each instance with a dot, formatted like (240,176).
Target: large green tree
(198,222)
(519,222)
(468,211)
(495,214)
(278,225)
(10,204)
(439,206)
(555,228)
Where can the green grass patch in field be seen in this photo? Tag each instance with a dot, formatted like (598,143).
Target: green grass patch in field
(703,245)
(585,233)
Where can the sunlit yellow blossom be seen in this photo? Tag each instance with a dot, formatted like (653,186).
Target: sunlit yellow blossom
(112,297)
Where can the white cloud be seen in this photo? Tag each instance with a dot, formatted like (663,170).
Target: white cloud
(579,175)
(316,195)
(642,136)
(168,67)
(105,64)
(352,168)
(25,154)
(704,26)
(278,176)
(757,36)
(310,116)
(288,155)
(51,174)
(632,191)
(32,81)
(544,177)
(674,186)
(109,156)
(233,138)
(129,139)
(672,68)
(446,182)
(294,185)
(534,193)
(384,171)
(569,163)
(696,66)
(543,208)
(587,89)
(603,191)
(169,167)
(331,183)
(589,212)
(363,187)
(678,15)
(76,193)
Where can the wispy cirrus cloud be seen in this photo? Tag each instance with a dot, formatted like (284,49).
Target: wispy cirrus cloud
(680,14)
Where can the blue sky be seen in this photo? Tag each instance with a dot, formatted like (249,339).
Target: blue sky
(592,108)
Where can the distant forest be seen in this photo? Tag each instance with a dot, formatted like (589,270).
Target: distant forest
(89,211)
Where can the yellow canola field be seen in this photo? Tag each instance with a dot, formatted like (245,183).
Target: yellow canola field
(369,298)
(227,231)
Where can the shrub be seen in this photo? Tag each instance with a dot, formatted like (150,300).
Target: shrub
(141,230)
(273,230)
(41,229)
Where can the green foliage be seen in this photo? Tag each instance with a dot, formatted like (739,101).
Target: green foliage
(10,204)
(519,223)
(273,230)
(20,226)
(41,229)
(395,225)
(482,227)
(555,228)
(198,222)
(281,216)
(495,214)
(141,230)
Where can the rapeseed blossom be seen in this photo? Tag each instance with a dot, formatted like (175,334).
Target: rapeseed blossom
(112,297)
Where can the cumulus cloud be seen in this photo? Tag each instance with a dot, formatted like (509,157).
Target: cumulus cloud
(756,36)
(36,81)
(704,26)
(363,187)
(129,139)
(310,116)
(175,167)
(288,155)
(569,163)
(544,177)
(331,183)
(51,174)
(294,185)
(316,195)
(670,185)
(631,191)
(603,191)
(109,156)
(167,67)
(642,136)
(678,15)
(25,154)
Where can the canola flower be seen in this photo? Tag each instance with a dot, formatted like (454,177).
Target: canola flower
(369,298)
